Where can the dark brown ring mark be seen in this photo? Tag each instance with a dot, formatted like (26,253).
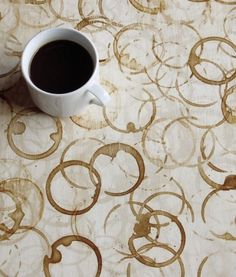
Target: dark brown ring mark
(199,272)
(65,165)
(67,241)
(56,137)
(111,150)
(194,60)
(181,197)
(62,160)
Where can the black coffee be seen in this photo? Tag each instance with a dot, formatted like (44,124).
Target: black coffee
(61,66)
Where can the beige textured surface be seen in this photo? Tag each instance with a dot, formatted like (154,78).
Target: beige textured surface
(145,186)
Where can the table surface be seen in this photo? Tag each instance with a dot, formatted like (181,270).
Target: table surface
(146,185)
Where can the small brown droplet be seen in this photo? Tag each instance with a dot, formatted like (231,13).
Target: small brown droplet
(131,127)
(230,182)
(18,128)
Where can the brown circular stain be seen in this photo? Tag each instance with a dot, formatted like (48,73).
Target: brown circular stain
(17,127)
(62,166)
(111,150)
(195,59)
(67,241)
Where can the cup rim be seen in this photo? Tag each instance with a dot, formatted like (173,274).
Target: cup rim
(25,69)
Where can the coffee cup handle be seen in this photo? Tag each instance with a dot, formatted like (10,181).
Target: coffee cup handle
(99,95)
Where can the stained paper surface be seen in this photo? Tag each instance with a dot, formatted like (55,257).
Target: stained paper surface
(144,186)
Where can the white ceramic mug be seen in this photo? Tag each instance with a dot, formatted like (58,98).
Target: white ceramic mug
(70,103)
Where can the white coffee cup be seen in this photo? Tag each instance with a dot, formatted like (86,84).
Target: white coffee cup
(70,103)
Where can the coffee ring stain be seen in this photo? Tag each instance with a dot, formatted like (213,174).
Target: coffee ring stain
(66,241)
(226,2)
(28,200)
(229,184)
(130,126)
(194,60)
(17,127)
(111,150)
(125,59)
(17,216)
(142,230)
(159,8)
(64,165)
(226,110)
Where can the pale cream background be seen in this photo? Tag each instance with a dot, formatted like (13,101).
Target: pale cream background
(162,151)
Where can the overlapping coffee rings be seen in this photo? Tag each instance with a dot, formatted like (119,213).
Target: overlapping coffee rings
(139,63)
(66,241)
(111,150)
(195,60)
(63,158)
(23,192)
(151,262)
(64,165)
(131,126)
